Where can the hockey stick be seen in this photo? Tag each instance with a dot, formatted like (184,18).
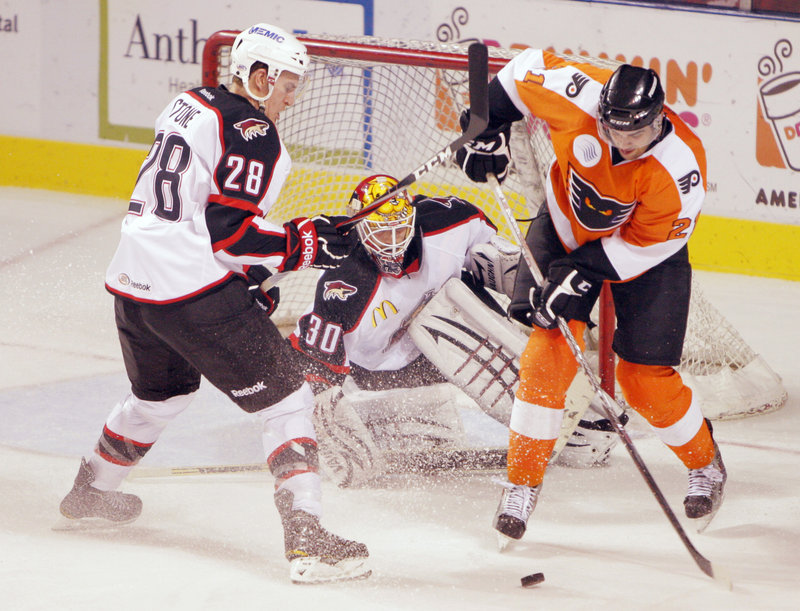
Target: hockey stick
(478,57)
(607,402)
(465,459)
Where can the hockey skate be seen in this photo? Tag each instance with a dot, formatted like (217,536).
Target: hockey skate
(706,491)
(316,555)
(516,506)
(88,507)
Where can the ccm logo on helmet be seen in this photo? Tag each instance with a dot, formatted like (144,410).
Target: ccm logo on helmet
(267,33)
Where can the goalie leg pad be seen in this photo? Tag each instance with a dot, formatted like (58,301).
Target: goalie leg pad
(476,349)
(412,419)
(348,454)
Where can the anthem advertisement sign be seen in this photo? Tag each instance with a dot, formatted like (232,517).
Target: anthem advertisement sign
(151,50)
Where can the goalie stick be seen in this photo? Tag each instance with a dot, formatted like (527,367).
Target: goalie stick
(465,459)
(478,58)
(606,401)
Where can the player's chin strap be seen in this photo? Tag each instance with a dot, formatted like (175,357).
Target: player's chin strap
(609,405)
(262,107)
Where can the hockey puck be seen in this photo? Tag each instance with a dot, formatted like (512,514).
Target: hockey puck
(531,580)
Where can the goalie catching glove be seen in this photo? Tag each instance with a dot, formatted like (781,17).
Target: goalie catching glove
(562,295)
(494,265)
(488,153)
(316,242)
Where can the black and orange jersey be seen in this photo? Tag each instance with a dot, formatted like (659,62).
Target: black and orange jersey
(642,211)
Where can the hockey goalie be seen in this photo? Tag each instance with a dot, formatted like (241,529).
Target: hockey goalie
(396,339)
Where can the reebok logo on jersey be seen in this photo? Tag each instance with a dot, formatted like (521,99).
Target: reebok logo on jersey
(252,128)
(594,211)
(338,289)
(250,390)
(125,280)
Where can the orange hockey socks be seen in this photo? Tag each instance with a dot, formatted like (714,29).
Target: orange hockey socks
(659,395)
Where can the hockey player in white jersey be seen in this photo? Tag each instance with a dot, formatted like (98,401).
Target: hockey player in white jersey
(193,231)
(358,322)
(358,327)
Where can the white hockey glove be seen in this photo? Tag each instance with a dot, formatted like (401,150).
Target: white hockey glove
(489,152)
(348,455)
(495,264)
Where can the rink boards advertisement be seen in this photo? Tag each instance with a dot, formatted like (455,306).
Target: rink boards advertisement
(735,79)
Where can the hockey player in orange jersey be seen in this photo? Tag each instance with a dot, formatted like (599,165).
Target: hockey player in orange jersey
(623,196)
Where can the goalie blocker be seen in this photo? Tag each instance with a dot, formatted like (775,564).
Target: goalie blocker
(478,350)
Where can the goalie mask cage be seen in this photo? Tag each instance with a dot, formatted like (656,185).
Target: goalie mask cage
(371,105)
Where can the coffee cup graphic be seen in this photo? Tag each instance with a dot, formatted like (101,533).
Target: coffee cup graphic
(780,98)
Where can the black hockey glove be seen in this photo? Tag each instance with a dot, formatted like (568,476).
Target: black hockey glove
(266,300)
(560,296)
(489,152)
(316,242)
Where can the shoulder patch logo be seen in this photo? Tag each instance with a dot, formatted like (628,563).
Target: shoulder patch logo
(587,150)
(578,83)
(338,289)
(252,128)
(686,182)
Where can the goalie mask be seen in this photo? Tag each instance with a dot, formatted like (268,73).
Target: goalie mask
(630,113)
(387,232)
(271,45)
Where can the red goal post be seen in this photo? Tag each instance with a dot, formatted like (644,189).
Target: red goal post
(374,105)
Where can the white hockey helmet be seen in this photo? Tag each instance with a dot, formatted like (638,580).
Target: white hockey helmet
(269,44)
(387,232)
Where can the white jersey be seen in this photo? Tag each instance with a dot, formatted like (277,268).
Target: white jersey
(195,216)
(361,316)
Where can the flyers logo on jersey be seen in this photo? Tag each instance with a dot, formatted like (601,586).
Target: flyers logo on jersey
(686,182)
(594,211)
(252,128)
(577,83)
(337,289)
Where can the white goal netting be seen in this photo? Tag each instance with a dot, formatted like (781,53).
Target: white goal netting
(385,106)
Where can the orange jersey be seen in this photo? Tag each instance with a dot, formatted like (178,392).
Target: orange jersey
(643,210)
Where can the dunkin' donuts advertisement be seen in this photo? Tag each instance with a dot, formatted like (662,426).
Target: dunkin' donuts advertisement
(778,139)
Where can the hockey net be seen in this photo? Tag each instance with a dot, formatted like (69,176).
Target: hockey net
(371,105)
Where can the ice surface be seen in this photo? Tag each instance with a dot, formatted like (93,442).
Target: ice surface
(215,542)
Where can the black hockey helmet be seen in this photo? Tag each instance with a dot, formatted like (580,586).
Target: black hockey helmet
(631,99)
